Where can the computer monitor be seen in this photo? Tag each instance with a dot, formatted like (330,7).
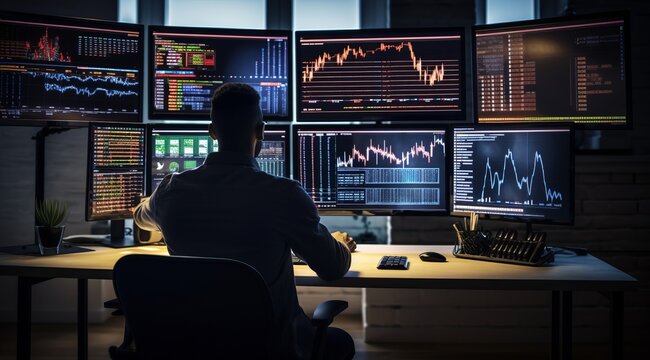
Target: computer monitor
(363,169)
(520,173)
(176,148)
(65,69)
(385,74)
(116,174)
(188,64)
(572,69)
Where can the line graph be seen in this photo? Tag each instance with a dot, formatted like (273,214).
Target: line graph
(497,179)
(427,77)
(385,152)
(84,79)
(88,92)
(377,76)
(111,86)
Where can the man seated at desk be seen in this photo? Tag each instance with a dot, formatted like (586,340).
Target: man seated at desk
(229,208)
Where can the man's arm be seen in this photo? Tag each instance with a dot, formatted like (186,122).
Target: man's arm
(311,240)
(145,213)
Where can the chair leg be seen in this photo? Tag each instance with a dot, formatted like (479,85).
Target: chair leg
(319,343)
(127,341)
(125,350)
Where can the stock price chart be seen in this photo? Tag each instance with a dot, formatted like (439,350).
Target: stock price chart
(374,170)
(116,171)
(518,173)
(69,72)
(567,71)
(380,77)
(189,67)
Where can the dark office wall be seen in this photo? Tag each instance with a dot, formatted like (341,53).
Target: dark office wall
(612,220)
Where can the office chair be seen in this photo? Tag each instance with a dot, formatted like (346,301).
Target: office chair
(192,307)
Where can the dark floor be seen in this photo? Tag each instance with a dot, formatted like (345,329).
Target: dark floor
(58,341)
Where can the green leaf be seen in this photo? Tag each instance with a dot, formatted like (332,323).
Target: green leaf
(51,213)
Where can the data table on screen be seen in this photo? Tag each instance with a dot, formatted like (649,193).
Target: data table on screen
(116,171)
(189,64)
(555,70)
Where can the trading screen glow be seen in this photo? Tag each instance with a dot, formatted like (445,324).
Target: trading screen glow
(188,67)
(177,150)
(524,174)
(382,170)
(358,76)
(116,171)
(569,70)
(67,70)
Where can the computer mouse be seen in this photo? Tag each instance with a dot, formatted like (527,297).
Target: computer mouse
(432,256)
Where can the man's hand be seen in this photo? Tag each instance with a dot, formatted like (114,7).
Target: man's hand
(345,239)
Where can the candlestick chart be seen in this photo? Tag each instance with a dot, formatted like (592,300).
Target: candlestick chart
(377,77)
(374,169)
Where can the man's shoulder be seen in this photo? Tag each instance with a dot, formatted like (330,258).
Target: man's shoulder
(280,183)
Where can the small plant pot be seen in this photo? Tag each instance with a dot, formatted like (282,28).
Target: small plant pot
(49,239)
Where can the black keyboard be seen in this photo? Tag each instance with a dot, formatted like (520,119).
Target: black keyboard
(393,263)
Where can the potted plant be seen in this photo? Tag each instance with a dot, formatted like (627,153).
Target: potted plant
(49,231)
(367,236)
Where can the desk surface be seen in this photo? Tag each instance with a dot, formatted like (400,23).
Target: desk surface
(567,273)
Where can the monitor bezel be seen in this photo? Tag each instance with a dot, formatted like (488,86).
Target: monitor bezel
(527,126)
(381,212)
(204,127)
(613,15)
(186,30)
(86,22)
(430,117)
(89,172)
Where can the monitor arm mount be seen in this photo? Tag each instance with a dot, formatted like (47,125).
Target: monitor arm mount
(39,182)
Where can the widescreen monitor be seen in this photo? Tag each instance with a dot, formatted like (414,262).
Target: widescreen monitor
(186,65)
(176,148)
(386,74)
(373,169)
(116,170)
(520,173)
(65,69)
(572,69)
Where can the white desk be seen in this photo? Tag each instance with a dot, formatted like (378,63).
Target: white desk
(567,274)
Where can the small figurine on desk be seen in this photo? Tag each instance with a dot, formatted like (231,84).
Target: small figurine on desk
(50,214)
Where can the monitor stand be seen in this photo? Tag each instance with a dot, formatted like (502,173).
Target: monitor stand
(117,239)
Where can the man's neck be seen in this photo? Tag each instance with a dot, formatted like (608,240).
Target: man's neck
(236,150)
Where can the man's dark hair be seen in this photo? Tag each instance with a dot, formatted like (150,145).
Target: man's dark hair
(235,110)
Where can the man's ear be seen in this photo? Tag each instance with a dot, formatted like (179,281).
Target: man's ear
(259,131)
(213,134)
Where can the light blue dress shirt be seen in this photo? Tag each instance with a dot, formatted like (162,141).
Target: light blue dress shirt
(229,208)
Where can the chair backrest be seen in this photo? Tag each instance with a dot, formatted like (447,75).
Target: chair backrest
(191,307)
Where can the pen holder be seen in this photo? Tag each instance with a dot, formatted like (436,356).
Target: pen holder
(474,242)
